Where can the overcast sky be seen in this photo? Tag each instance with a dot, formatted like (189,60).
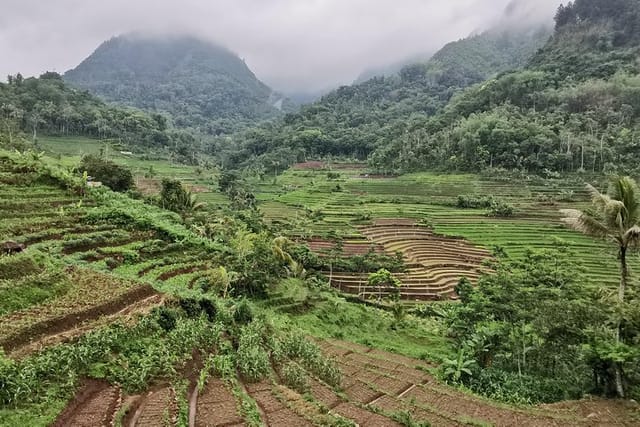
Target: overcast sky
(293,45)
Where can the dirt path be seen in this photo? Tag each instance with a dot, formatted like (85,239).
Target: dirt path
(216,405)
(157,408)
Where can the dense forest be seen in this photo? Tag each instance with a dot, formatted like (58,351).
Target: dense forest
(573,107)
(354,121)
(46,105)
(200,85)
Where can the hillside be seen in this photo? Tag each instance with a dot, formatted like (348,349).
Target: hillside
(356,120)
(32,107)
(200,84)
(573,108)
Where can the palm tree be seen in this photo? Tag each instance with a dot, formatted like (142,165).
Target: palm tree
(615,217)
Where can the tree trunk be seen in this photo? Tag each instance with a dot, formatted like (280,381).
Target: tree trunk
(618,380)
(624,273)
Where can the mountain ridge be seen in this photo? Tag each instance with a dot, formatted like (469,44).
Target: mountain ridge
(200,84)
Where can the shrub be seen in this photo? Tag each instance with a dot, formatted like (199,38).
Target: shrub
(190,306)
(114,176)
(473,202)
(333,175)
(210,308)
(500,209)
(243,312)
(166,318)
(295,377)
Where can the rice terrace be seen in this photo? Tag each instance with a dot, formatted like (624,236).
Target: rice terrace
(451,238)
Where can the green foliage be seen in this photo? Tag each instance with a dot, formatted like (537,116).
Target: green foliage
(458,369)
(47,105)
(251,358)
(174,197)
(166,318)
(243,313)
(199,84)
(526,333)
(116,177)
(384,280)
(295,377)
(130,356)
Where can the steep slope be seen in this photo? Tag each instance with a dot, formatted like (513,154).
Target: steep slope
(573,108)
(355,120)
(200,84)
(479,57)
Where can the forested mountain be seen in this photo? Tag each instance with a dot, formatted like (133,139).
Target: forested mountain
(47,105)
(201,85)
(356,120)
(574,106)
(391,69)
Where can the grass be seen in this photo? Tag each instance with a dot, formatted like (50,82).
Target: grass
(330,316)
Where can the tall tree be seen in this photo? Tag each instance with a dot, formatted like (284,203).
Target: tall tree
(616,217)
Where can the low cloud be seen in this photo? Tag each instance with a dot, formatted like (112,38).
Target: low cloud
(293,45)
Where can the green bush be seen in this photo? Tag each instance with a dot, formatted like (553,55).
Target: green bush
(523,389)
(295,377)
(243,312)
(116,177)
(166,318)
(252,359)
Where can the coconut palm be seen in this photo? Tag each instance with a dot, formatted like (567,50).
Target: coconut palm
(616,217)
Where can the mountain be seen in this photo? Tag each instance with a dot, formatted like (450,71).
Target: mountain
(199,84)
(392,69)
(355,120)
(478,57)
(574,108)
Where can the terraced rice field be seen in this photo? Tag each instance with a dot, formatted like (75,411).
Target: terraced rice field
(435,263)
(312,207)
(378,389)
(76,273)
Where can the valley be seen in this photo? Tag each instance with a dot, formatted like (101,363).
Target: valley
(451,240)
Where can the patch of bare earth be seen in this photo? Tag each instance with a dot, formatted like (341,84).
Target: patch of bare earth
(393,383)
(93,296)
(95,405)
(216,405)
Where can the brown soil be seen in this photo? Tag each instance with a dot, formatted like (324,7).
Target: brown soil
(322,246)
(435,263)
(143,306)
(94,405)
(157,408)
(275,413)
(180,271)
(403,387)
(216,405)
(110,244)
(148,186)
(309,165)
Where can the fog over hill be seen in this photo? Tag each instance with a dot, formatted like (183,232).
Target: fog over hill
(294,46)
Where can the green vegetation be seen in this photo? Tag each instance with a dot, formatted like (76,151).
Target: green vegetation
(202,86)
(112,175)
(205,273)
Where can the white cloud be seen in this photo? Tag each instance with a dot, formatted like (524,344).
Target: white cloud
(291,44)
